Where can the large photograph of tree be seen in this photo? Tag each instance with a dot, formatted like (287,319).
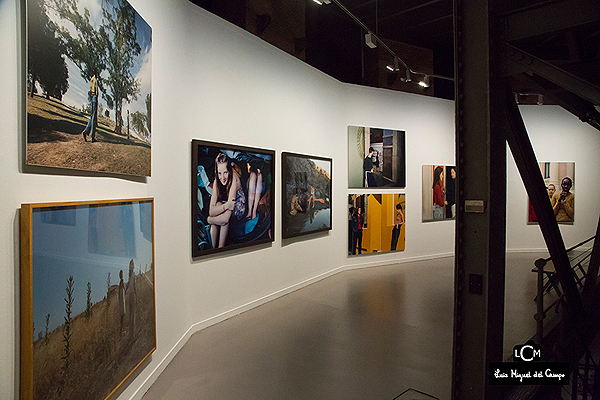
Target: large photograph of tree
(87,297)
(88,86)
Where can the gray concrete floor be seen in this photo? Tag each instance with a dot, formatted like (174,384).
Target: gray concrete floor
(361,334)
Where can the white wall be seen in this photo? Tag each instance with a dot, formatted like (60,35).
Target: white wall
(215,82)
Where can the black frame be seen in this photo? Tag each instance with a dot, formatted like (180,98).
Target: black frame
(285,167)
(265,227)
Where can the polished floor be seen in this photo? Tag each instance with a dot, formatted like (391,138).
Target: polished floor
(369,333)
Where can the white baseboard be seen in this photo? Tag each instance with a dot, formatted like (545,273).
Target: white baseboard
(147,383)
(381,263)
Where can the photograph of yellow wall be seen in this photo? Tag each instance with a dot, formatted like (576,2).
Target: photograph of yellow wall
(376,223)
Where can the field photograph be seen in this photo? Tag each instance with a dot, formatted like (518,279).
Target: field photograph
(88,86)
(93,297)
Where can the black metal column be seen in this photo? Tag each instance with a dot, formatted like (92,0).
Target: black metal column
(481,218)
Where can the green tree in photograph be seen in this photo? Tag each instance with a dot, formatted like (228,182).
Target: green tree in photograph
(87,49)
(88,307)
(68,329)
(45,61)
(120,35)
(47,324)
(138,121)
(149,111)
(108,290)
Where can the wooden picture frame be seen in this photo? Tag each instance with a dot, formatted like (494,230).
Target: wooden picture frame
(306,194)
(83,340)
(242,213)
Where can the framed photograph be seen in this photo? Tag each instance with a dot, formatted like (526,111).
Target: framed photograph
(376,223)
(88,99)
(232,197)
(559,178)
(87,297)
(439,192)
(376,158)
(306,194)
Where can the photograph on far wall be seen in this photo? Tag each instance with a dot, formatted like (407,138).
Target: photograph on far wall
(376,223)
(88,86)
(232,197)
(559,179)
(376,158)
(306,194)
(87,297)
(438,192)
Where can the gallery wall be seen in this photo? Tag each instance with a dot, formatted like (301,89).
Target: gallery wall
(216,82)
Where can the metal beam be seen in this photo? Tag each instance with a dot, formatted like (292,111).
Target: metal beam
(583,109)
(592,273)
(480,243)
(537,21)
(522,151)
(522,62)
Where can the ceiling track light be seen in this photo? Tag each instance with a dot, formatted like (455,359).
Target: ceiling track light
(395,67)
(370,40)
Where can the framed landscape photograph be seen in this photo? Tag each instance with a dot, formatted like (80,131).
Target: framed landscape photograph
(232,197)
(87,297)
(306,194)
(438,192)
(88,86)
(376,158)
(559,178)
(376,223)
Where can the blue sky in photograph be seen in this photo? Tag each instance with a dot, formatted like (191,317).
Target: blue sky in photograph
(77,95)
(60,251)
(326,165)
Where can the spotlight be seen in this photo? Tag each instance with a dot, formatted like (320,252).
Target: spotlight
(321,2)
(370,40)
(394,68)
(425,81)
(408,77)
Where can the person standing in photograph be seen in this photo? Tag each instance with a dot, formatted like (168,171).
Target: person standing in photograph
(398,222)
(350,233)
(132,299)
(90,128)
(563,203)
(368,168)
(451,193)
(438,194)
(357,227)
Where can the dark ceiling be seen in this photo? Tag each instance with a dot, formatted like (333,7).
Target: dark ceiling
(564,34)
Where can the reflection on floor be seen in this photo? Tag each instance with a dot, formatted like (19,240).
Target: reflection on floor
(369,333)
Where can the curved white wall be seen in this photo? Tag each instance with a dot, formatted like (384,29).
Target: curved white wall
(215,82)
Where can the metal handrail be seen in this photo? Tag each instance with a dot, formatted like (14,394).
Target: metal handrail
(543,288)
